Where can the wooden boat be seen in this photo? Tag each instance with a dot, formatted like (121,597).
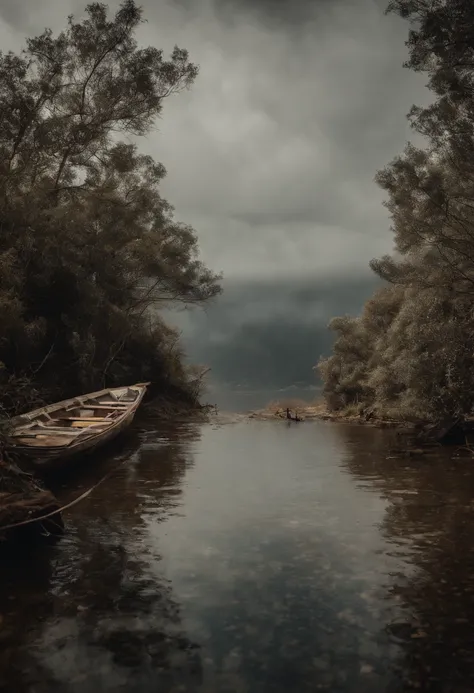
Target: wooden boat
(78,425)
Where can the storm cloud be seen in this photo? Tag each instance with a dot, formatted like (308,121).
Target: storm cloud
(271,157)
(270,335)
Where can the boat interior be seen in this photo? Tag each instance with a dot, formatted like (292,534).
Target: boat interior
(76,418)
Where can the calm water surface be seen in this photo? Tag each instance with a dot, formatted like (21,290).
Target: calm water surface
(254,557)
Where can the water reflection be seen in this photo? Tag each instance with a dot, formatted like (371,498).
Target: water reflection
(429,522)
(96,618)
(251,557)
(283,584)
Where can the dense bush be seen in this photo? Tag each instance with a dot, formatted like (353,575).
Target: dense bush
(410,355)
(87,244)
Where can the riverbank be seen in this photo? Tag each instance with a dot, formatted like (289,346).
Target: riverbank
(414,437)
(23,500)
(169,409)
(318,411)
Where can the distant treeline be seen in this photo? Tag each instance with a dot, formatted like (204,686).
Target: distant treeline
(87,243)
(410,355)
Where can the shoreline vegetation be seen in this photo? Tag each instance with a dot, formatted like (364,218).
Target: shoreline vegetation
(407,361)
(409,355)
(90,251)
(319,411)
(91,260)
(414,437)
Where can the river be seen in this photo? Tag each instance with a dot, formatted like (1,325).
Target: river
(255,557)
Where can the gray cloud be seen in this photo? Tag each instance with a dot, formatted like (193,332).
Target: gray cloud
(269,334)
(271,157)
(272,154)
(283,134)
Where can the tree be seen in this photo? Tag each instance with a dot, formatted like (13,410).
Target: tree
(419,331)
(344,373)
(431,189)
(358,353)
(87,243)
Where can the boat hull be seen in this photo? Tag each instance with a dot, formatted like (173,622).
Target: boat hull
(45,458)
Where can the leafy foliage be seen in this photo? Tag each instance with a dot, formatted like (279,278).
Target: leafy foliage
(410,354)
(87,244)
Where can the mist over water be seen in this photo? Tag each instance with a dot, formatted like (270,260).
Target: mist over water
(243,399)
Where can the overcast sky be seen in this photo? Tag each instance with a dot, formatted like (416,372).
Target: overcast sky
(271,155)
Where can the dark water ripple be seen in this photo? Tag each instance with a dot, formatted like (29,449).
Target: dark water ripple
(251,557)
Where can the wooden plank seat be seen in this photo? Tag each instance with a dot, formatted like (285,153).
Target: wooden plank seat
(109,405)
(52,427)
(79,423)
(68,430)
(84,418)
(45,432)
(44,440)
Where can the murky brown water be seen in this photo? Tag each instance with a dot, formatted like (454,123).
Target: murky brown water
(251,557)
